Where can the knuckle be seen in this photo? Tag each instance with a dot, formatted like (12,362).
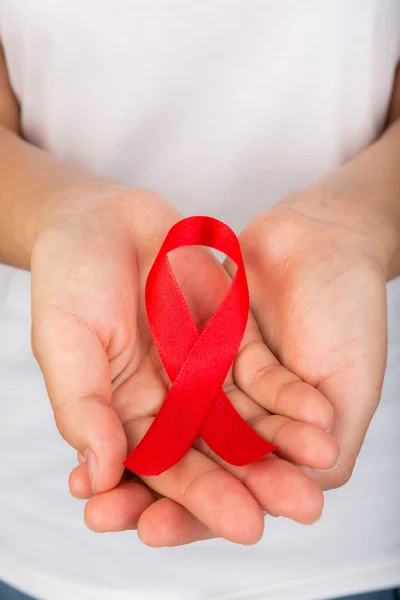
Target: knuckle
(243,371)
(256,420)
(281,397)
(192,487)
(261,373)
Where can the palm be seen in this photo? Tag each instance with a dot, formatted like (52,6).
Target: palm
(88,304)
(322,310)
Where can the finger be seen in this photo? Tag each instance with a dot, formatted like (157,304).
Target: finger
(355,398)
(289,492)
(281,488)
(118,509)
(259,375)
(160,523)
(213,496)
(298,442)
(167,523)
(77,377)
(79,482)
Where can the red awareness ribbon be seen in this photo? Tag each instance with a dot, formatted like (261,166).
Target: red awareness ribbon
(197,363)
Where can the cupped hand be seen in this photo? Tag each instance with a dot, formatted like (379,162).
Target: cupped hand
(317,285)
(93,252)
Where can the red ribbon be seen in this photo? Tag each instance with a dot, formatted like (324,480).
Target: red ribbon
(197,363)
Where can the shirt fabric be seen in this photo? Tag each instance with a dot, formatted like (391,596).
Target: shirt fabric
(223,107)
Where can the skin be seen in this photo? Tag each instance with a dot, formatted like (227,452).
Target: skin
(87,294)
(90,243)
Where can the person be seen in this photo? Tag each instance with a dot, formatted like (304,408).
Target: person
(281,119)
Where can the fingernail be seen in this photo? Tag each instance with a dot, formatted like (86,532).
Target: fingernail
(92,465)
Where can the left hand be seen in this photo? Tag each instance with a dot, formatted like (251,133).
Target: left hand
(317,286)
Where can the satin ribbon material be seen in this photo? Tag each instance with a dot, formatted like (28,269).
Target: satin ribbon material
(197,363)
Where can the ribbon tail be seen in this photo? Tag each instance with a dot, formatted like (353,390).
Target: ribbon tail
(230,437)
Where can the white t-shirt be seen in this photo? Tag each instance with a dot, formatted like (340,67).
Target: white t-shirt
(222,106)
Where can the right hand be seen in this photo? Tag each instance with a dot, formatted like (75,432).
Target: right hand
(94,247)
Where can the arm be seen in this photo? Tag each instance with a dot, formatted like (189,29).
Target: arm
(29,177)
(365,192)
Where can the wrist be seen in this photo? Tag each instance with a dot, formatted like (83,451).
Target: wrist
(363,196)
(70,203)
(371,184)
(103,207)
(365,222)
(380,225)
(363,210)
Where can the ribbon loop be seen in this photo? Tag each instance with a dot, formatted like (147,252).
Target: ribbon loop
(196,363)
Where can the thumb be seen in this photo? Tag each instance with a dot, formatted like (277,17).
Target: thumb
(76,371)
